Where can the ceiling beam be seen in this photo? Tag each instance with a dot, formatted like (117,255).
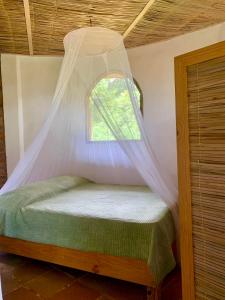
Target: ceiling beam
(139,17)
(28,25)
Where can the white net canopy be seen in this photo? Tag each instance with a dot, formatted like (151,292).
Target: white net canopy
(94,122)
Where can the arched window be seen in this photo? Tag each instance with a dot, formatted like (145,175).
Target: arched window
(113,89)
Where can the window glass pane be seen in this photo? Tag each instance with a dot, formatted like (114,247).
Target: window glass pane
(113,91)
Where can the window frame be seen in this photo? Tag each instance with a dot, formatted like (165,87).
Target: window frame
(115,74)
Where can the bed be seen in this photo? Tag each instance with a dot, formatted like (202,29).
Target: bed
(124,232)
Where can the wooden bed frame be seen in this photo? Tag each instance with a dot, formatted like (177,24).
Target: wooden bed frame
(129,269)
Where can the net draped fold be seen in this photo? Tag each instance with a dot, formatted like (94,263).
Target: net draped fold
(63,145)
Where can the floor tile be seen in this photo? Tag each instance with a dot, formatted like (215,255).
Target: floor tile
(172,289)
(11,260)
(72,272)
(103,297)
(22,294)
(29,271)
(78,292)
(6,268)
(49,283)
(9,283)
(27,279)
(118,289)
(14,276)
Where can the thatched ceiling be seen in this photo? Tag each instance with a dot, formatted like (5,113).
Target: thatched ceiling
(52,19)
(169,18)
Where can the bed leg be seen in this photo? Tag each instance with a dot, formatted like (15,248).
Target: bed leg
(153,293)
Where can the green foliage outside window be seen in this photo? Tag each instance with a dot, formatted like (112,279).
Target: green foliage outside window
(113,93)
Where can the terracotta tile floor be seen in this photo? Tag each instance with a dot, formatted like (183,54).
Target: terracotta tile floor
(26,279)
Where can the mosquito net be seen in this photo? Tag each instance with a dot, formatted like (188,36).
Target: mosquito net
(94,120)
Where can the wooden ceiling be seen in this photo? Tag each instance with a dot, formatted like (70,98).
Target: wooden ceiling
(47,21)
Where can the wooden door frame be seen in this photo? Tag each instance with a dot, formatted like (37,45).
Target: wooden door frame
(184,175)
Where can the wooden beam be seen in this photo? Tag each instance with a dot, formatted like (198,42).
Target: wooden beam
(28,24)
(138,18)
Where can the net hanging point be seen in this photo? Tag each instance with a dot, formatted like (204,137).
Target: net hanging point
(90,20)
(90,14)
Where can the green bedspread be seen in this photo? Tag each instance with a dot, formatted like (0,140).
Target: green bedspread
(75,213)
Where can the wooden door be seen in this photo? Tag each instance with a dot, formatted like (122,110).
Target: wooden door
(200,100)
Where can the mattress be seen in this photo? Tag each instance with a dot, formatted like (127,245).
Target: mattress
(72,212)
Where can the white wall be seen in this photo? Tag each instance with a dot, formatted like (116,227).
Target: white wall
(25,105)
(153,68)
